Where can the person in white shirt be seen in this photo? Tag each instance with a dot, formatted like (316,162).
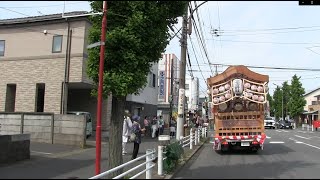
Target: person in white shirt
(126,131)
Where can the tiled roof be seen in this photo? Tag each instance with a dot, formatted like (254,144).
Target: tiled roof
(38,18)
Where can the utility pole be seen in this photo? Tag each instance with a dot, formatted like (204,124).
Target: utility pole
(183,41)
(171,92)
(100,88)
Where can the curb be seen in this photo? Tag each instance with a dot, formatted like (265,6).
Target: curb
(180,166)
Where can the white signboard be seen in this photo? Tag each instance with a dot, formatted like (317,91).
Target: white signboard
(162,85)
(181,101)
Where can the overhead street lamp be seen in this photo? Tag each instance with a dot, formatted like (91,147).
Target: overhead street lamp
(282,100)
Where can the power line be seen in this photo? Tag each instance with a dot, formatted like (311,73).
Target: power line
(14,11)
(278,68)
(255,34)
(285,43)
(200,37)
(26,7)
(272,29)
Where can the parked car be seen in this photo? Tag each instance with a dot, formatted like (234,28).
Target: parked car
(285,125)
(269,122)
(88,119)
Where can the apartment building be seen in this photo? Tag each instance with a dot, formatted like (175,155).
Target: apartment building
(146,103)
(192,93)
(168,65)
(35,68)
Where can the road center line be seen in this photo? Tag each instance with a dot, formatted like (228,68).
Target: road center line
(276,142)
(41,152)
(301,137)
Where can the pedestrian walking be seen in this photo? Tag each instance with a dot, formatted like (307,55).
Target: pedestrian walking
(161,125)
(154,126)
(147,126)
(172,127)
(126,131)
(136,129)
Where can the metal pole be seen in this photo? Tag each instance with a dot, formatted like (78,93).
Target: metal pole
(148,158)
(100,88)
(195,137)
(160,160)
(183,41)
(282,106)
(191,137)
(171,92)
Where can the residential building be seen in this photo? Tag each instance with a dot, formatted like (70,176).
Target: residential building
(168,64)
(37,75)
(192,93)
(312,107)
(146,103)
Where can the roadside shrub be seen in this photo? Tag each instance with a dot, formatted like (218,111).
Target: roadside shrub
(173,153)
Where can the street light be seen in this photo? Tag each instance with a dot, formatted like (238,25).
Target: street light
(282,100)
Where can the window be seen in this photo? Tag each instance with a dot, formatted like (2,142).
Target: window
(187,86)
(153,80)
(57,44)
(2,43)
(10,97)
(40,92)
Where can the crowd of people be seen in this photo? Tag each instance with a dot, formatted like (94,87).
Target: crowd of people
(134,129)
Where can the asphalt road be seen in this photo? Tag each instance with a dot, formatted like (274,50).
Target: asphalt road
(287,154)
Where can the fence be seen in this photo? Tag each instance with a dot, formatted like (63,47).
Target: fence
(308,127)
(150,155)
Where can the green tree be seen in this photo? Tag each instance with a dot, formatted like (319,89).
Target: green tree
(286,97)
(137,34)
(271,104)
(277,102)
(297,101)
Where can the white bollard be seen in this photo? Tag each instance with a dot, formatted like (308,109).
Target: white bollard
(160,160)
(202,132)
(191,137)
(199,135)
(205,132)
(195,137)
(311,127)
(149,164)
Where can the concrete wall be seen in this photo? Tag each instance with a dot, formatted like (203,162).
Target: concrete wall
(69,130)
(14,148)
(45,127)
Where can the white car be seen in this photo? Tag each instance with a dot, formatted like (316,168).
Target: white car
(270,122)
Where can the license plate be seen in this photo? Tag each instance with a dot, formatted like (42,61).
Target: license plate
(245,144)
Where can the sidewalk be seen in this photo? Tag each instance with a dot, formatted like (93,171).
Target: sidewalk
(68,162)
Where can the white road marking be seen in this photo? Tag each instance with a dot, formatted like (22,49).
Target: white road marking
(276,142)
(268,137)
(278,130)
(301,137)
(285,131)
(41,152)
(299,142)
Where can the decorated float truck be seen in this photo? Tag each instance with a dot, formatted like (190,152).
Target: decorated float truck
(238,100)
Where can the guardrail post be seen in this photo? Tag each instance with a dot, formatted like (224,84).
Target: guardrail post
(160,160)
(148,158)
(195,137)
(199,134)
(191,137)
(205,131)
(202,132)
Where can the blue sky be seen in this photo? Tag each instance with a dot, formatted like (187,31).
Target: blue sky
(238,21)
